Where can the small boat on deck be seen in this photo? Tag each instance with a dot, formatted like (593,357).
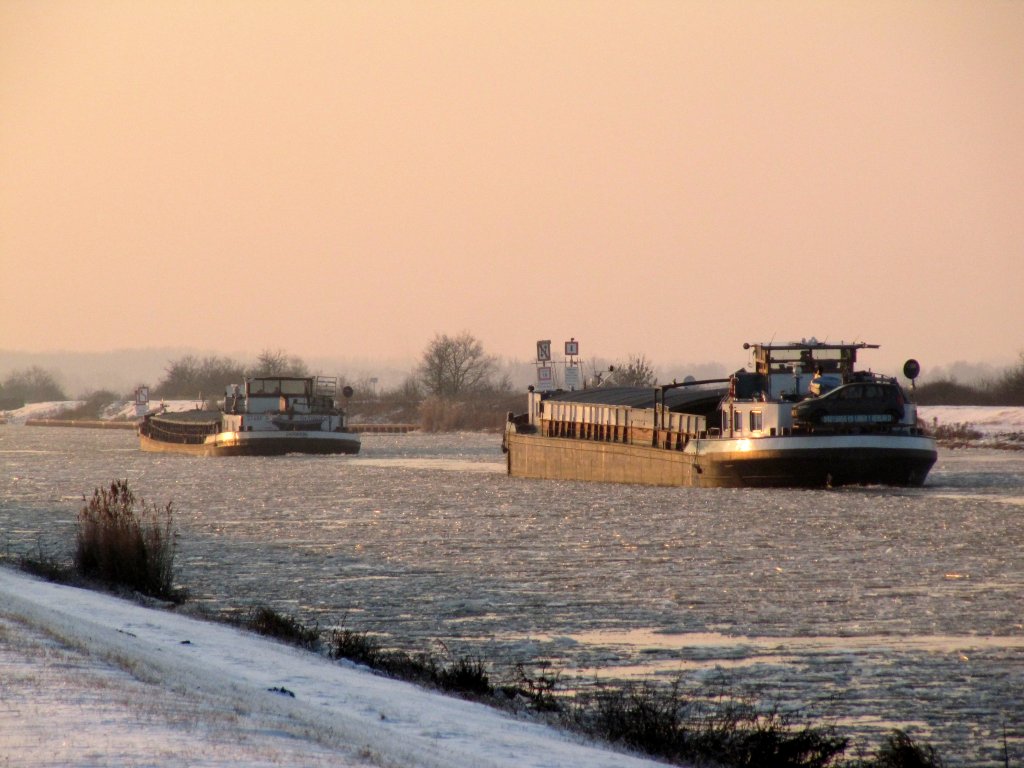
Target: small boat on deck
(265,416)
(803,417)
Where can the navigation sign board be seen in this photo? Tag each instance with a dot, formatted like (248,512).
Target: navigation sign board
(572,377)
(572,348)
(545,379)
(544,351)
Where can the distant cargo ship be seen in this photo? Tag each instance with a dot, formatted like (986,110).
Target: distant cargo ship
(804,417)
(265,416)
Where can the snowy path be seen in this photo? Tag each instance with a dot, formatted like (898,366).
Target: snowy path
(128,685)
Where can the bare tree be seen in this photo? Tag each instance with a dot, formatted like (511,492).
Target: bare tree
(189,376)
(32,385)
(636,372)
(182,377)
(1009,388)
(279,363)
(455,365)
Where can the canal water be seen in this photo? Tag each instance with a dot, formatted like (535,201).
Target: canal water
(868,608)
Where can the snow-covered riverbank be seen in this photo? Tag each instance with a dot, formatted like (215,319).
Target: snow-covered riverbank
(91,680)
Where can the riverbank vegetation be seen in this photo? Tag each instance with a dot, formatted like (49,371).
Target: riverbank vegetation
(121,543)
(92,405)
(31,385)
(1006,388)
(125,544)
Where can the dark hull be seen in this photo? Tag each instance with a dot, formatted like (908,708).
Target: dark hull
(818,468)
(788,462)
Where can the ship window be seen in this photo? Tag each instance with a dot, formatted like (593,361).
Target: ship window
(755,421)
(725,421)
(265,387)
(738,421)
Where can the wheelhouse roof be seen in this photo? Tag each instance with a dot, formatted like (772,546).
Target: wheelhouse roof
(795,346)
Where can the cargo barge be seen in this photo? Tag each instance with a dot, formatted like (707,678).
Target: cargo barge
(265,416)
(803,417)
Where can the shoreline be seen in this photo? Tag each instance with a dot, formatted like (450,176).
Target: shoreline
(237,688)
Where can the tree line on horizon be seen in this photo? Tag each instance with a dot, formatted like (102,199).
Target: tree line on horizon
(455,385)
(1006,388)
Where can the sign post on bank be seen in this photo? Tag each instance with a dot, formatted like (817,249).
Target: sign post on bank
(545,377)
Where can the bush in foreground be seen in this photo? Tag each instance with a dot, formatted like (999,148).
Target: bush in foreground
(464,675)
(46,567)
(121,545)
(687,728)
(901,751)
(267,621)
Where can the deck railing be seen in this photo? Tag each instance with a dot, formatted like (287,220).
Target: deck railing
(620,424)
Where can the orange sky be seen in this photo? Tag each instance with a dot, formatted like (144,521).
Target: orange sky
(667,178)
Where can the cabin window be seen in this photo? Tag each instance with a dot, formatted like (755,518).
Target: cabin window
(725,421)
(738,421)
(265,387)
(755,421)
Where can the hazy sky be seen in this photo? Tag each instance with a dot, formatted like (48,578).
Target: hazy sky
(667,178)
